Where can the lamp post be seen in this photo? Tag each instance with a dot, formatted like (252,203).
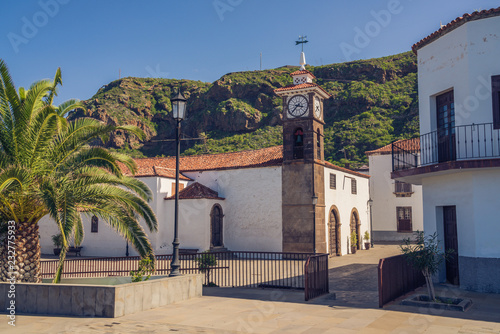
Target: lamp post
(178,112)
(370,203)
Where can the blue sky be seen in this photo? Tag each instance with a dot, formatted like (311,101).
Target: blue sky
(202,40)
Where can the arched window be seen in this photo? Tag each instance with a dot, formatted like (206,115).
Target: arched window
(355,227)
(298,144)
(94,224)
(318,145)
(216,220)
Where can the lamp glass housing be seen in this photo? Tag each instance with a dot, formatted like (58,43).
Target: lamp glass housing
(179,107)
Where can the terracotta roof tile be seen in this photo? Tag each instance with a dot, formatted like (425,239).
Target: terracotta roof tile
(271,156)
(300,86)
(412,145)
(299,72)
(455,24)
(345,170)
(196,191)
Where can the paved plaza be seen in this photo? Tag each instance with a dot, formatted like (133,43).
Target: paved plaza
(352,307)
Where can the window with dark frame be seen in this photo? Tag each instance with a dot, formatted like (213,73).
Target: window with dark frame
(94,224)
(403,216)
(354,186)
(333,181)
(495,89)
(403,189)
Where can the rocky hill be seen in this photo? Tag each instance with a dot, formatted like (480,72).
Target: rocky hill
(373,103)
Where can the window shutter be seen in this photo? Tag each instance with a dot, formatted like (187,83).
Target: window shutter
(333,181)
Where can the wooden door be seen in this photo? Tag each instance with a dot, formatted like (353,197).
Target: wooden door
(216,226)
(446,127)
(451,242)
(334,234)
(355,227)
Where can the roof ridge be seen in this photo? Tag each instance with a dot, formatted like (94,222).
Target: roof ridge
(388,148)
(210,154)
(457,22)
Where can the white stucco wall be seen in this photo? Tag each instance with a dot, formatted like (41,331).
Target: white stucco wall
(475,195)
(252,213)
(345,201)
(384,216)
(194,224)
(463,60)
(107,242)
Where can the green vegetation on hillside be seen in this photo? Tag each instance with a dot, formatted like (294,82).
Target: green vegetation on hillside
(374,102)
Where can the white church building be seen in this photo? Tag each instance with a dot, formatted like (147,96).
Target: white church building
(458,163)
(277,199)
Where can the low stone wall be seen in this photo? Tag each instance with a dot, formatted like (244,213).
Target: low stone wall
(110,301)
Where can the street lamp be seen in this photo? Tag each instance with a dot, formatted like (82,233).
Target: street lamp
(178,112)
(370,203)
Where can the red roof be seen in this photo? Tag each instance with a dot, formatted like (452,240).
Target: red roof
(265,157)
(300,86)
(345,170)
(196,191)
(271,156)
(455,24)
(411,145)
(299,72)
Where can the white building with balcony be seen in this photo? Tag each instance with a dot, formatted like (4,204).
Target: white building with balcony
(397,206)
(458,164)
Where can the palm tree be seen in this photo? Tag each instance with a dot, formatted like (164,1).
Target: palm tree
(52,166)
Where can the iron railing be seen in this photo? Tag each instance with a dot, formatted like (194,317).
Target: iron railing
(316,276)
(464,142)
(232,269)
(395,278)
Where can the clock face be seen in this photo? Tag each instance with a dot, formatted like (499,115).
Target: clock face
(297,106)
(317,107)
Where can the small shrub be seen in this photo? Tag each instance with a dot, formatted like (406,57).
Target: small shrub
(146,267)
(205,263)
(57,240)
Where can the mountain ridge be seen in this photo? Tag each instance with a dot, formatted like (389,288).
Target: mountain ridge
(373,102)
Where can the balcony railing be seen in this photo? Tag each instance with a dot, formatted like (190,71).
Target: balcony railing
(465,142)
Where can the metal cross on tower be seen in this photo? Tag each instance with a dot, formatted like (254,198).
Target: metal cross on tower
(302,40)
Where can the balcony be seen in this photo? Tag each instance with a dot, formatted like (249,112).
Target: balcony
(467,145)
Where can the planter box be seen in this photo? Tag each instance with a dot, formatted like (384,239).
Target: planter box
(452,304)
(98,299)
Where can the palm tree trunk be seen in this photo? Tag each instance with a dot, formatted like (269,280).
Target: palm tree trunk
(26,260)
(60,266)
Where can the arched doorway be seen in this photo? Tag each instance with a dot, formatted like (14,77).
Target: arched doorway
(355,226)
(334,240)
(216,217)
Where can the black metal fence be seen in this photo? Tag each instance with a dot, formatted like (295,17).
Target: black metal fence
(474,141)
(395,278)
(231,268)
(316,276)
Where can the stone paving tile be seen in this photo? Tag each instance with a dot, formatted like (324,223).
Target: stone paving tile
(236,311)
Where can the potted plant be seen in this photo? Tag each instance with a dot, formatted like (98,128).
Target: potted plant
(367,240)
(354,242)
(57,241)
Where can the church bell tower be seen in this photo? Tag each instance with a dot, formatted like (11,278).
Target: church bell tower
(303,179)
